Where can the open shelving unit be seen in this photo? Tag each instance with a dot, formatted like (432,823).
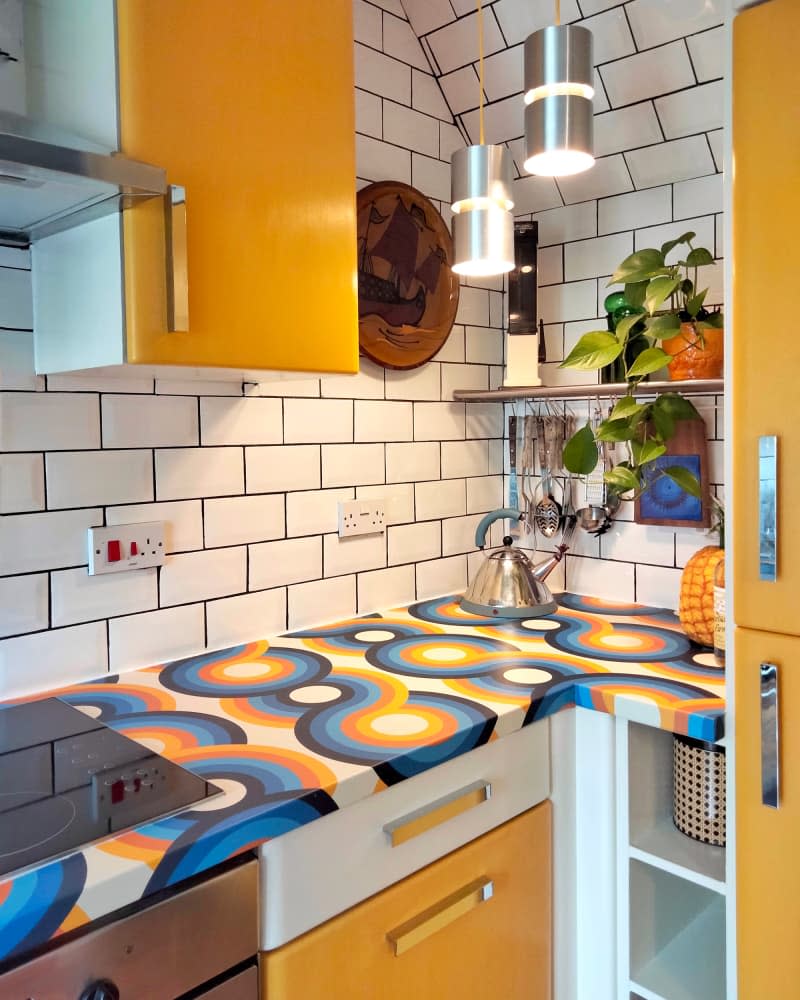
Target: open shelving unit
(671,888)
(602,390)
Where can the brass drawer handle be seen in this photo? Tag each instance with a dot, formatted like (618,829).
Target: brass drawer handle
(439,915)
(426,817)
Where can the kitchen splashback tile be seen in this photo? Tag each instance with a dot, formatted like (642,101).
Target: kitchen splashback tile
(658,586)
(654,22)
(673,161)
(276,564)
(23,604)
(484,493)
(410,543)
(418,460)
(708,54)
(245,618)
(85,478)
(518,20)
(697,110)
(458,534)
(383,420)
(439,421)
(464,376)
(183,521)
(483,347)
(456,44)
(311,513)
(593,258)
(427,15)
(46,660)
(422,383)
(647,74)
(21,483)
(632,211)
(353,464)
(406,127)
(400,42)
(30,542)
(464,458)
(398,501)
(194,576)
(440,499)
(608,176)
(380,74)
(77,597)
(149,422)
(441,576)
(627,128)
(534,194)
(573,222)
(353,555)
(376,160)
(699,196)
(614,580)
(156,637)
(317,420)
(35,421)
(238,520)
(385,588)
(321,601)
(249,420)
(283,467)
(367,384)
(186,473)
(461,89)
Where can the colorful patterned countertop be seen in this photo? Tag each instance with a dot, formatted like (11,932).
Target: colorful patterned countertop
(295,728)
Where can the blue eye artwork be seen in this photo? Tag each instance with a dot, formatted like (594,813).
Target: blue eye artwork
(664,498)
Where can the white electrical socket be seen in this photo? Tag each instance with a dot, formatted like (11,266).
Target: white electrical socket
(126,546)
(362,517)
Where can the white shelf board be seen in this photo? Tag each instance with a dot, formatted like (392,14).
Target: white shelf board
(664,846)
(639,992)
(688,967)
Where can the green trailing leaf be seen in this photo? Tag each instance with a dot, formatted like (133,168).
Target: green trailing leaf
(615,430)
(699,258)
(663,326)
(678,407)
(580,452)
(671,244)
(684,479)
(648,451)
(714,322)
(687,286)
(593,351)
(658,291)
(626,407)
(626,324)
(647,362)
(664,423)
(695,303)
(639,266)
(622,479)
(635,292)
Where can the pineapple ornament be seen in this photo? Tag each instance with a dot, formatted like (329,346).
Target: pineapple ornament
(696,609)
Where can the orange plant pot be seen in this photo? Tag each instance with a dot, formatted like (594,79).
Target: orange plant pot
(693,359)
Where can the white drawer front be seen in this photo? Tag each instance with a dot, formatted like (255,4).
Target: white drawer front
(326,867)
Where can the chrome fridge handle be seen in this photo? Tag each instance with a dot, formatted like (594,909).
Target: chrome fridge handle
(768,507)
(770,736)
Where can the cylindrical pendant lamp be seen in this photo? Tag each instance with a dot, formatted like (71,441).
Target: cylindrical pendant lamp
(483,227)
(558,96)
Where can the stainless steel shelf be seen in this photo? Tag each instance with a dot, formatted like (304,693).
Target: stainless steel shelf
(694,387)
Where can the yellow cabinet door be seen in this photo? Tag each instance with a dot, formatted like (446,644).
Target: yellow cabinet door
(766,348)
(767,839)
(472,925)
(250,107)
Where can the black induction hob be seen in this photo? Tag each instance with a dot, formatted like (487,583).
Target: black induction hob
(67,780)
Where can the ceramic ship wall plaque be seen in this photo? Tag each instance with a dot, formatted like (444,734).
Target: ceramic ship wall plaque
(407,294)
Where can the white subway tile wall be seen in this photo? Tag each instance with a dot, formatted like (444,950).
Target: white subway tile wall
(248,478)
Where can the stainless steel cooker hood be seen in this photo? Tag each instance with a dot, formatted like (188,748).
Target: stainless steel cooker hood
(51,180)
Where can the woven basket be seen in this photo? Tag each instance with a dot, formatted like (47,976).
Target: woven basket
(698,797)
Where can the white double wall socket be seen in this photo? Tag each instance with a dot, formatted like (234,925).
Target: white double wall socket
(121,547)
(362,517)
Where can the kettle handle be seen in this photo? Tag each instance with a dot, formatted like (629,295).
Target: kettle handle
(490,518)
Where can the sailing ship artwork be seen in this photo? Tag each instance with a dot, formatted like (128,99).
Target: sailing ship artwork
(407,294)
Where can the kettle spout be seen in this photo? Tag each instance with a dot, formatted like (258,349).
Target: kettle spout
(543,569)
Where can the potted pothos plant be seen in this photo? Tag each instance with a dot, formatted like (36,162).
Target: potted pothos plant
(664,298)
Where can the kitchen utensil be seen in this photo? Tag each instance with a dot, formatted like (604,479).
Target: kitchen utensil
(597,518)
(508,585)
(547,512)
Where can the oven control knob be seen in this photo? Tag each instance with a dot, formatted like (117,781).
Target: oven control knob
(102,989)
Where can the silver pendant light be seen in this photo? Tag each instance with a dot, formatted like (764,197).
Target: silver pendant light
(480,189)
(558,99)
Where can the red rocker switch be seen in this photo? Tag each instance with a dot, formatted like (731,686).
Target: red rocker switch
(114,553)
(134,549)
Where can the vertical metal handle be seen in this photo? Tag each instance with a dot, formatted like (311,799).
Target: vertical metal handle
(177,272)
(770,736)
(768,507)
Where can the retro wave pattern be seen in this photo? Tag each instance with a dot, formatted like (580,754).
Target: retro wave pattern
(281,728)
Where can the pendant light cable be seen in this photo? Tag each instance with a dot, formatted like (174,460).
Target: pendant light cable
(558,11)
(480,72)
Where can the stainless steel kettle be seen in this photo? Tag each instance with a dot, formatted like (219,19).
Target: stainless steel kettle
(508,585)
